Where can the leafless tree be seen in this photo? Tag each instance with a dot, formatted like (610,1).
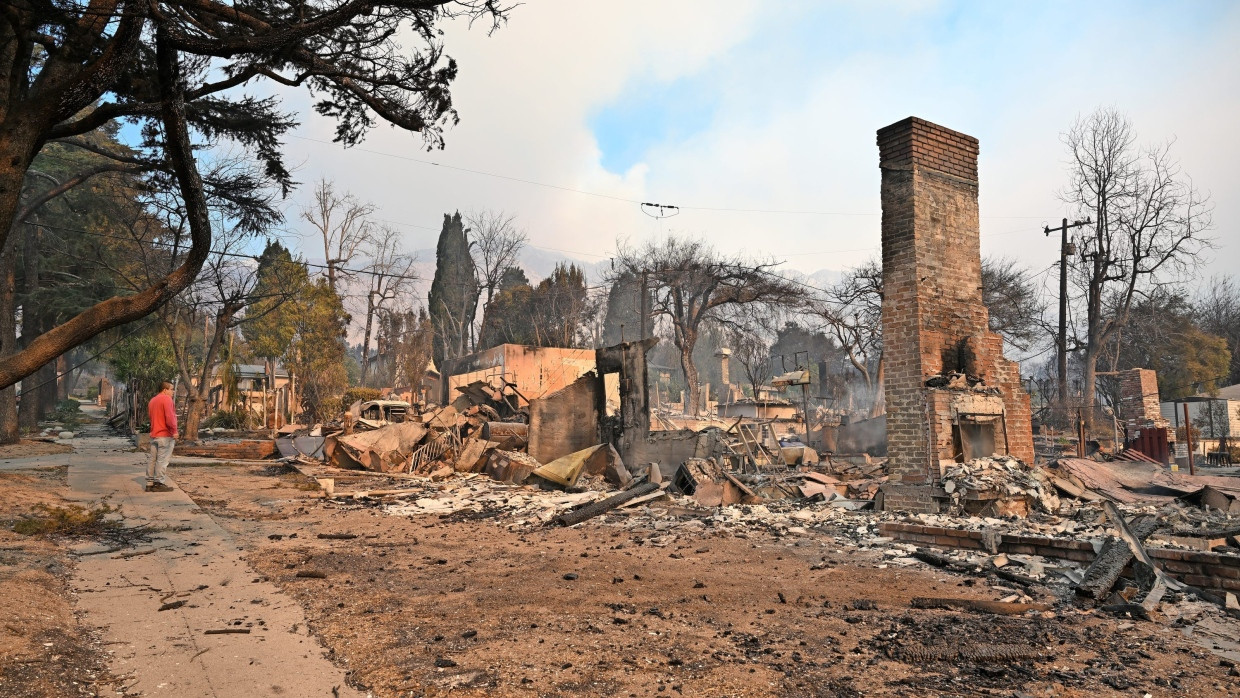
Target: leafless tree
(148,247)
(1013,302)
(852,313)
(404,351)
(497,243)
(692,283)
(343,223)
(216,297)
(1218,312)
(1148,220)
(752,351)
(390,273)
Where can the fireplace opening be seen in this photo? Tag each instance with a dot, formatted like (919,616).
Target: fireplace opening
(974,436)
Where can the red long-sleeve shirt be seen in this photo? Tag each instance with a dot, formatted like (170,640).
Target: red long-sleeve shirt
(163,416)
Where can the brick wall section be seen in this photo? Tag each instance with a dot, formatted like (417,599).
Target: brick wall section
(1205,570)
(1138,396)
(932,299)
(239,450)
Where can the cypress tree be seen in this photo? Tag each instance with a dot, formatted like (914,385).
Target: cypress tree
(453,299)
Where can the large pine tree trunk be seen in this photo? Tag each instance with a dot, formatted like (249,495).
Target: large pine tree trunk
(30,410)
(879,405)
(1089,391)
(47,385)
(62,381)
(34,403)
(9,431)
(370,317)
(688,340)
(18,145)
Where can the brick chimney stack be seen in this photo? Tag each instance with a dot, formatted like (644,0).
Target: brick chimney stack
(934,322)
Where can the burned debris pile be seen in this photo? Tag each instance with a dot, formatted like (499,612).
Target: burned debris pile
(1001,485)
(1118,536)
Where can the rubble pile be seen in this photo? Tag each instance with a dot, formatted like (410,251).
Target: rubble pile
(1073,527)
(998,479)
(483,498)
(862,479)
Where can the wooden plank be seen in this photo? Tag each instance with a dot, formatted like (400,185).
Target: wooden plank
(731,478)
(997,607)
(1111,560)
(1069,488)
(643,499)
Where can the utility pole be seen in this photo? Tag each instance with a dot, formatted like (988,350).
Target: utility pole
(1065,248)
(1188,440)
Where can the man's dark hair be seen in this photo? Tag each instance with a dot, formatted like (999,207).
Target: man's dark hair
(164,386)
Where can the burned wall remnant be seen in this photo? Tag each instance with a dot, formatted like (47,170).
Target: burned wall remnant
(628,361)
(575,417)
(534,371)
(567,420)
(950,392)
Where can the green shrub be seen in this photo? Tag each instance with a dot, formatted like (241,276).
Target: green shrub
(224,419)
(352,395)
(68,412)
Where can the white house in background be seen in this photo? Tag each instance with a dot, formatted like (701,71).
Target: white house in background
(251,381)
(1217,416)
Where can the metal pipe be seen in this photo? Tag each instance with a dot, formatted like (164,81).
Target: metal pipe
(1188,440)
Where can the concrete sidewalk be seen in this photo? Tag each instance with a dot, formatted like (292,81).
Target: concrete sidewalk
(167,653)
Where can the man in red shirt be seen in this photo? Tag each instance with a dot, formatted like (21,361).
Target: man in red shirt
(163,438)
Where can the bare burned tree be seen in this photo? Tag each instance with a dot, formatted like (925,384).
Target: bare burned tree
(1217,308)
(1013,302)
(344,226)
(391,273)
(218,296)
(852,313)
(752,350)
(1148,224)
(214,301)
(497,243)
(692,283)
(176,65)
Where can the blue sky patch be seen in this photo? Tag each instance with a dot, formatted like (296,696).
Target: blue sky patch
(649,114)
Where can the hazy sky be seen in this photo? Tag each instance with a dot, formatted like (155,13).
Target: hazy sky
(731,104)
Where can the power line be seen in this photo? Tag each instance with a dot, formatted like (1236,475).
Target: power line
(239,255)
(91,358)
(574,190)
(222,253)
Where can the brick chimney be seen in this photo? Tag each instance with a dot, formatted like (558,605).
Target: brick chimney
(725,356)
(949,390)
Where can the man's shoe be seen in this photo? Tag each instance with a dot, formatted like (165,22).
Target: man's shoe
(158,487)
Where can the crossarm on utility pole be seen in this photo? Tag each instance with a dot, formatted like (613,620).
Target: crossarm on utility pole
(1062,342)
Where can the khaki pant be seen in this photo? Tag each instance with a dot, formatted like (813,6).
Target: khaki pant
(161,451)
